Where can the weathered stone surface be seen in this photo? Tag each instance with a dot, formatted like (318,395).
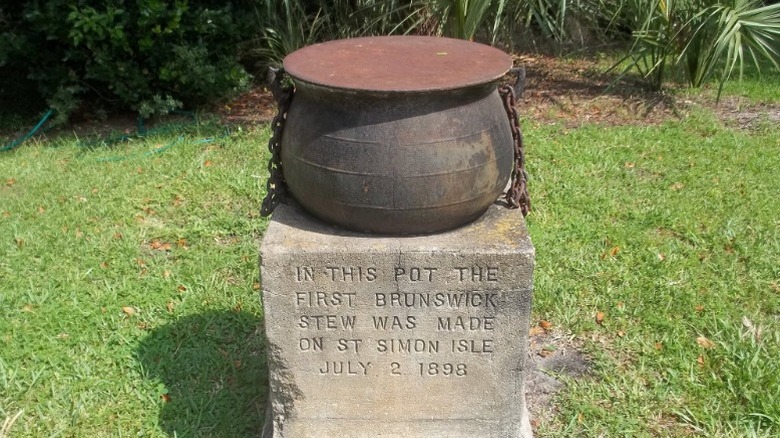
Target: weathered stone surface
(397,336)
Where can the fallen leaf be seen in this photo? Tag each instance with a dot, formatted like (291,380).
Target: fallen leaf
(6,214)
(699,308)
(140,262)
(544,353)
(104,265)
(19,242)
(28,308)
(237,307)
(729,249)
(704,342)
(752,329)
(177,201)
(700,361)
(166,274)
(535,331)
(139,170)
(119,236)
(547,325)
(658,346)
(41,209)
(580,418)
(599,317)
(10,182)
(621,333)
(207,163)
(165,398)
(182,243)
(256,285)
(169,306)
(612,252)
(661,256)
(127,310)
(181,288)
(630,165)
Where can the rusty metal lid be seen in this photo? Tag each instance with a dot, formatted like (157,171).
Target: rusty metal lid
(398,63)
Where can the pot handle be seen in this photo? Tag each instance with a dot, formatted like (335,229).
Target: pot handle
(517,196)
(276,187)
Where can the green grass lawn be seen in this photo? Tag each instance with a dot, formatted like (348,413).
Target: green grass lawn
(673,233)
(129,288)
(129,301)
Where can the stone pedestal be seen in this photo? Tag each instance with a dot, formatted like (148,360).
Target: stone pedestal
(408,337)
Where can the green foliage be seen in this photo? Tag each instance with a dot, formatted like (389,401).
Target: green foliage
(698,40)
(147,55)
(289,26)
(464,18)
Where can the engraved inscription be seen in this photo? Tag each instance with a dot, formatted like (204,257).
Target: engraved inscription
(478,273)
(453,300)
(463,323)
(325,299)
(327,322)
(450,332)
(345,368)
(394,322)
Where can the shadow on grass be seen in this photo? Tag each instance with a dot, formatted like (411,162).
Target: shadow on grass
(212,368)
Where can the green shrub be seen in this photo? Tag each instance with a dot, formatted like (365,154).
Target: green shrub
(699,40)
(150,56)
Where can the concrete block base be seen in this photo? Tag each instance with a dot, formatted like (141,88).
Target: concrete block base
(413,337)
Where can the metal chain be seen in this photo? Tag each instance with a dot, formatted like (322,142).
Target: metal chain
(276,187)
(517,195)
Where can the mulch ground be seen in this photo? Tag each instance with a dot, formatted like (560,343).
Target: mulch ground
(565,90)
(569,91)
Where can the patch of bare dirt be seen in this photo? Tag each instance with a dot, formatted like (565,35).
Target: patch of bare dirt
(567,90)
(253,107)
(738,114)
(552,354)
(574,91)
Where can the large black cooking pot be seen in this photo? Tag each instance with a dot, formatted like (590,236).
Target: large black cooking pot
(397,135)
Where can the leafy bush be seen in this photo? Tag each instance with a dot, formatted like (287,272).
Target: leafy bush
(698,40)
(147,55)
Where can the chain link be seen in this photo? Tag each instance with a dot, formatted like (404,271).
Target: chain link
(517,195)
(276,187)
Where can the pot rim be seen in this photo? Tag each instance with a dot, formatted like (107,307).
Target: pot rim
(397,64)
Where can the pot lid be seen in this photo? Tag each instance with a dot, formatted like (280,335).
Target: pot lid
(398,64)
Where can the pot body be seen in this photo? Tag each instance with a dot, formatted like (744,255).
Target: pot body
(397,162)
